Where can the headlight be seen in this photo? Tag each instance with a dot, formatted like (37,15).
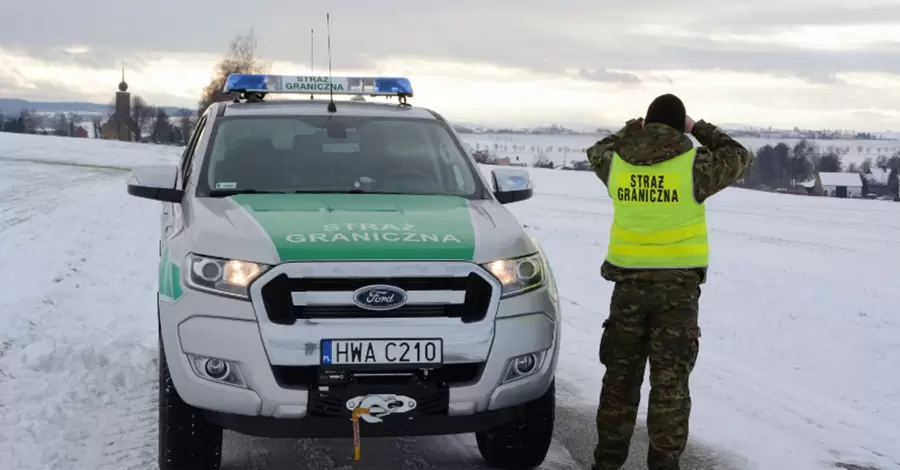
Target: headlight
(222,276)
(518,275)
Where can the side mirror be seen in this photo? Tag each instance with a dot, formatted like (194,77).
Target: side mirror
(512,185)
(155,182)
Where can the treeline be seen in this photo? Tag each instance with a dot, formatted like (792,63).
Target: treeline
(802,134)
(30,122)
(154,125)
(784,166)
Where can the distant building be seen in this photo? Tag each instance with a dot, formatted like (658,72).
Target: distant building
(80,132)
(829,184)
(121,125)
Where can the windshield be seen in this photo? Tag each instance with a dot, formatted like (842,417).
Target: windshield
(321,154)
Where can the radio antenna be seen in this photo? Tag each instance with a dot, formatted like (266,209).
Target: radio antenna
(312,52)
(332,107)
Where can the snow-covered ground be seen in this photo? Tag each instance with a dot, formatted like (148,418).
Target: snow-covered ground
(797,370)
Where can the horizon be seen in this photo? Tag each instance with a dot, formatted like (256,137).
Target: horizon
(580,127)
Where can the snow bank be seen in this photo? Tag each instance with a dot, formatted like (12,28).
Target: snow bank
(88,152)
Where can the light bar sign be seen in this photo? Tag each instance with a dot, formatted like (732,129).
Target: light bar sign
(313,84)
(254,83)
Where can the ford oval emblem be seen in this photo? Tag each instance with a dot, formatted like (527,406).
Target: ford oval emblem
(380,297)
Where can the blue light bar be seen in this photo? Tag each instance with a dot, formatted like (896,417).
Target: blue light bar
(294,84)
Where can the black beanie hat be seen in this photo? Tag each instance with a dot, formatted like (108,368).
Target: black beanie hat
(667,109)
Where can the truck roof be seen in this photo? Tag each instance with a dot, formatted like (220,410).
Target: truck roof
(318,107)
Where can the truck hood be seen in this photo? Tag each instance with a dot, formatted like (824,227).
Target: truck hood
(277,228)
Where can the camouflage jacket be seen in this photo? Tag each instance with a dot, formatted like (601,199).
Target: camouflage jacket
(720,162)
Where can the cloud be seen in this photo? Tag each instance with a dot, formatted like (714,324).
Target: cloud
(7,83)
(605,76)
(734,60)
(528,34)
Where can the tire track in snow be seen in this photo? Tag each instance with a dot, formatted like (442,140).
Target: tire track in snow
(28,190)
(456,452)
(79,340)
(131,443)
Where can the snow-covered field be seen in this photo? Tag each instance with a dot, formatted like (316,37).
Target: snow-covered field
(797,370)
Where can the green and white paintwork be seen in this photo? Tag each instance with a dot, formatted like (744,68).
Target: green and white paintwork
(320,227)
(169,277)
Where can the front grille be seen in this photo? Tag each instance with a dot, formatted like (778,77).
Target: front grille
(430,399)
(321,284)
(307,377)
(345,311)
(329,392)
(278,298)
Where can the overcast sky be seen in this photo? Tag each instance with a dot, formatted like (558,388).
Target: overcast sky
(813,64)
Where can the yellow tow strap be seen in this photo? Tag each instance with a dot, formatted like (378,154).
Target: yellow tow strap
(356,438)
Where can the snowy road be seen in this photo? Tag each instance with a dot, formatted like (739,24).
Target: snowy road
(86,317)
(797,366)
(436,453)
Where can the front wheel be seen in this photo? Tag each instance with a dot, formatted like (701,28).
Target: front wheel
(186,440)
(525,442)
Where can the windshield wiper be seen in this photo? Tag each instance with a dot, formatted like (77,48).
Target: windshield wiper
(232,192)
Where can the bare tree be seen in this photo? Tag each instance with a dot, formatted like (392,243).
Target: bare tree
(96,120)
(61,125)
(242,57)
(162,130)
(185,125)
(142,113)
(866,166)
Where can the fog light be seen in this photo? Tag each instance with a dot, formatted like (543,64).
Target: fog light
(216,368)
(525,364)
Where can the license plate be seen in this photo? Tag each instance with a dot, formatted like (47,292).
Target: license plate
(382,351)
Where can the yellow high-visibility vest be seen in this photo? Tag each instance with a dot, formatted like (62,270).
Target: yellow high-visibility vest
(657,223)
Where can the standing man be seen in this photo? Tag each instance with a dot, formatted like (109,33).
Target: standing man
(657,259)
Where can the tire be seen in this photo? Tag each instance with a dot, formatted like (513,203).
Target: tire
(524,443)
(186,440)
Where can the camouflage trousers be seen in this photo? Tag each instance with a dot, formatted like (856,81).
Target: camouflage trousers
(655,322)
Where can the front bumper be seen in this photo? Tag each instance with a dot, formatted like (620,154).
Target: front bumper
(315,427)
(276,361)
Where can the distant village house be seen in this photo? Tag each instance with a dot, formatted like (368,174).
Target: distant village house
(830,184)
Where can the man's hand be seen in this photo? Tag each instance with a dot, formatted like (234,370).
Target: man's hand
(688,124)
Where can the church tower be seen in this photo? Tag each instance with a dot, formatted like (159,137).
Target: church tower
(121,125)
(123,108)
